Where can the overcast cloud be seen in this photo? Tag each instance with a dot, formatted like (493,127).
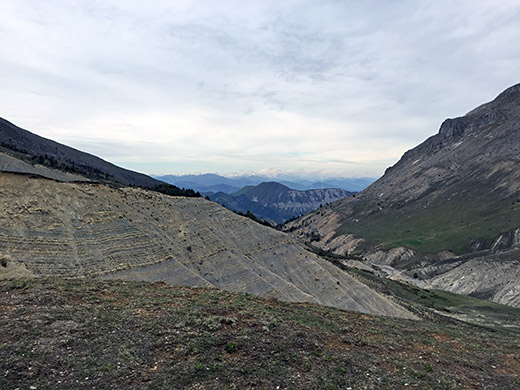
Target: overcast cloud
(333,88)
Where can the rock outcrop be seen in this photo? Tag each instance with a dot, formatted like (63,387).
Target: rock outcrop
(494,276)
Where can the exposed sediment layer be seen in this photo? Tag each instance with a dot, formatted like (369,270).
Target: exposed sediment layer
(82,229)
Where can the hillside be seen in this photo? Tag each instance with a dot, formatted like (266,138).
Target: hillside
(44,157)
(457,193)
(277,203)
(65,334)
(49,228)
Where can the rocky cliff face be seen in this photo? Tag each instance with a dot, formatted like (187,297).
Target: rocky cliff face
(50,228)
(456,193)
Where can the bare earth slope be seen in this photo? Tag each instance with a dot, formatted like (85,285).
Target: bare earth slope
(492,276)
(12,164)
(457,193)
(83,229)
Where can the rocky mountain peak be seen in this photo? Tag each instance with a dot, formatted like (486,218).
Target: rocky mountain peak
(453,130)
(505,102)
(482,122)
(511,91)
(272,185)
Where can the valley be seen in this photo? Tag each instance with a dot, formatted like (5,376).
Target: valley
(401,252)
(259,195)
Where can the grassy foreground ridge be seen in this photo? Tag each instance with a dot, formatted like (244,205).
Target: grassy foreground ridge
(85,334)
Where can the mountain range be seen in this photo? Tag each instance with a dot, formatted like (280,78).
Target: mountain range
(77,232)
(212,183)
(446,215)
(276,203)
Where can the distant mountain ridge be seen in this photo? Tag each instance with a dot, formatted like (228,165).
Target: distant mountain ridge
(277,203)
(209,182)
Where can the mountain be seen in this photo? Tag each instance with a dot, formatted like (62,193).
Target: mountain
(277,203)
(24,152)
(447,210)
(53,226)
(211,183)
(32,148)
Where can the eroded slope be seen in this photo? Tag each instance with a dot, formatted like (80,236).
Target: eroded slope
(87,229)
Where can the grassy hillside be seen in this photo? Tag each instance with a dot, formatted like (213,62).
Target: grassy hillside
(70,334)
(441,224)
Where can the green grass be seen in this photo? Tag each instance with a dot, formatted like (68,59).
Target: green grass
(81,334)
(441,225)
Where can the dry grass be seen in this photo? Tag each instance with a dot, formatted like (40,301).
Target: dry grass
(70,334)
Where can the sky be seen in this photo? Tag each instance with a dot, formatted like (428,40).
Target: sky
(310,88)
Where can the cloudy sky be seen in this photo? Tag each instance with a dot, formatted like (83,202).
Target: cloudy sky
(325,88)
